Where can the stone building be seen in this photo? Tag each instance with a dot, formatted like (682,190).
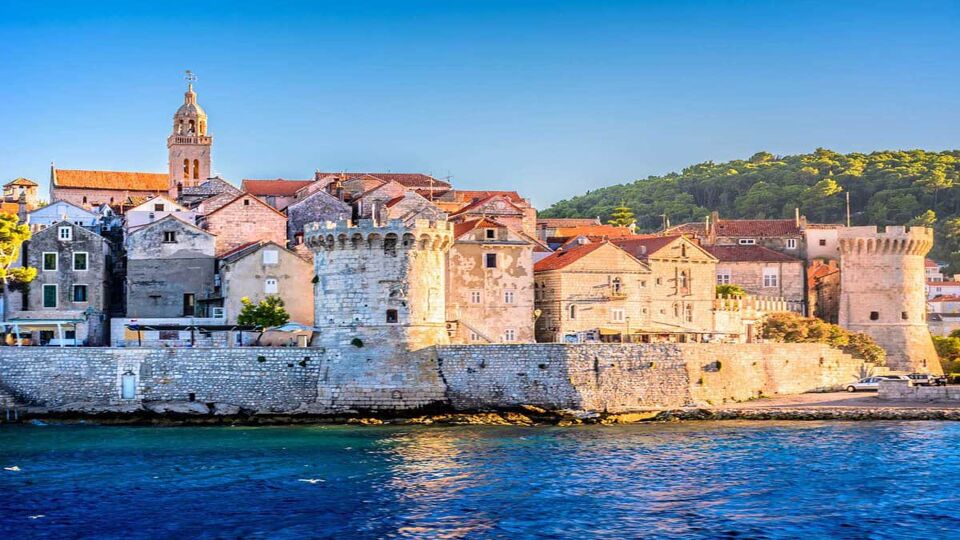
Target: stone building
(548,227)
(155,209)
(882,292)
(942,288)
(761,272)
(264,269)
(69,294)
(192,196)
(783,235)
(355,183)
(379,286)
(243,220)
(823,290)
(318,206)
(189,145)
(170,269)
(506,207)
(682,282)
(489,293)
(591,292)
(22,189)
(932,271)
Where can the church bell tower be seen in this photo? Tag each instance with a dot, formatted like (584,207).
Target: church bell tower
(189,145)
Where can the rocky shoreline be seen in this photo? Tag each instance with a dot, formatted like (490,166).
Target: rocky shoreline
(192,414)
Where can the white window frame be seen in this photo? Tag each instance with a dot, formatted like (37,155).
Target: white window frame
(723,277)
(73,262)
(73,294)
(476,297)
(274,257)
(56,261)
(56,296)
(771,277)
(508,297)
(65,228)
(747,241)
(791,243)
(617,315)
(509,335)
(267,286)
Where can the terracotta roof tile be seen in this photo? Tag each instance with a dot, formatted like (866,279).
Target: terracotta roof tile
(416,180)
(117,180)
(462,228)
(611,231)
(468,196)
(946,298)
(21,181)
(757,227)
(552,223)
(930,263)
(276,188)
(9,208)
(562,258)
(748,254)
(643,246)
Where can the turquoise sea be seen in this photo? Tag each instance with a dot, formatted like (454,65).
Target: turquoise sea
(692,480)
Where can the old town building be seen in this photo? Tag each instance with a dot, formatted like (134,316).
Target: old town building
(279,193)
(490,283)
(66,302)
(318,206)
(44,217)
(761,272)
(155,209)
(261,269)
(243,220)
(170,269)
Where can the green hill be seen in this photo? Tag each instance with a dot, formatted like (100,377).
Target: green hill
(886,188)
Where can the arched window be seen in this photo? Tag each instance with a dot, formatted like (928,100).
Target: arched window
(193,127)
(186,167)
(683,279)
(196,168)
(573,311)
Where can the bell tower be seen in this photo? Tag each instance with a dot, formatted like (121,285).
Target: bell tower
(189,145)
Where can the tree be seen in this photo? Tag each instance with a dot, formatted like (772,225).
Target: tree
(794,328)
(12,236)
(269,312)
(926,219)
(622,216)
(730,291)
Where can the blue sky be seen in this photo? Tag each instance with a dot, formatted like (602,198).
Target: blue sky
(549,98)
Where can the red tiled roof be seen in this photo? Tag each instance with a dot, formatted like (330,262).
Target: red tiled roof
(644,246)
(416,180)
(697,228)
(941,283)
(117,180)
(748,254)
(552,223)
(757,227)
(9,208)
(611,231)
(930,263)
(946,298)
(481,202)
(459,229)
(276,188)
(20,182)
(473,195)
(562,258)
(240,248)
(240,196)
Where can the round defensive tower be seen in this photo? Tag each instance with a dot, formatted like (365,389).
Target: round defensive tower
(883,292)
(380,285)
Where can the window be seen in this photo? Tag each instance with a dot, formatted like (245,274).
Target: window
(747,241)
(791,243)
(903,315)
(823,241)
(616,315)
(80,261)
(874,315)
(65,233)
(490,234)
(723,277)
(676,310)
(79,293)
(49,296)
(392,316)
(49,261)
(573,311)
(643,283)
(771,277)
(509,334)
(169,237)
(270,286)
(490,260)
(246,202)
(616,286)
(659,281)
(189,305)
(271,256)
(683,280)
(689,312)
(507,297)
(158,207)
(476,297)
(474,336)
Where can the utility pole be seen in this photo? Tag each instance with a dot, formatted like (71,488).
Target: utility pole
(848,209)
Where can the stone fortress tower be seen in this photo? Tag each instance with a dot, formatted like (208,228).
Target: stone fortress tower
(882,292)
(189,145)
(380,282)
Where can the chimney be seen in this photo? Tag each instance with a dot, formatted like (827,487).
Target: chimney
(22,207)
(796,216)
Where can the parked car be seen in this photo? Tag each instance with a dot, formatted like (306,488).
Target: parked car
(926,379)
(868,384)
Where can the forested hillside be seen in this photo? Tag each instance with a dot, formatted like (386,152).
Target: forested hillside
(890,187)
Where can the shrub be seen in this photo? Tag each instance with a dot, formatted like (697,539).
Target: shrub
(793,328)
(730,291)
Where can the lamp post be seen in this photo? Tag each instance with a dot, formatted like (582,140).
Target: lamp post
(628,330)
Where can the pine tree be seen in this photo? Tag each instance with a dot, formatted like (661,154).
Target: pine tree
(622,216)
(12,236)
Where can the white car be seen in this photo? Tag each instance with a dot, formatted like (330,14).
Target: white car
(871,384)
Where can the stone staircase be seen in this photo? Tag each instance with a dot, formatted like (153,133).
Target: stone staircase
(9,406)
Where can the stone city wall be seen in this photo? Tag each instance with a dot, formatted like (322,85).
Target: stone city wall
(904,391)
(601,377)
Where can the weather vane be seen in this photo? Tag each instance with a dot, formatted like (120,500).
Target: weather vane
(190,76)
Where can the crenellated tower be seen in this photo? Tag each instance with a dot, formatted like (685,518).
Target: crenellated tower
(381,283)
(189,145)
(883,292)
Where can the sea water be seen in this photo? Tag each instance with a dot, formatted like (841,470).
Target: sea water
(689,480)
